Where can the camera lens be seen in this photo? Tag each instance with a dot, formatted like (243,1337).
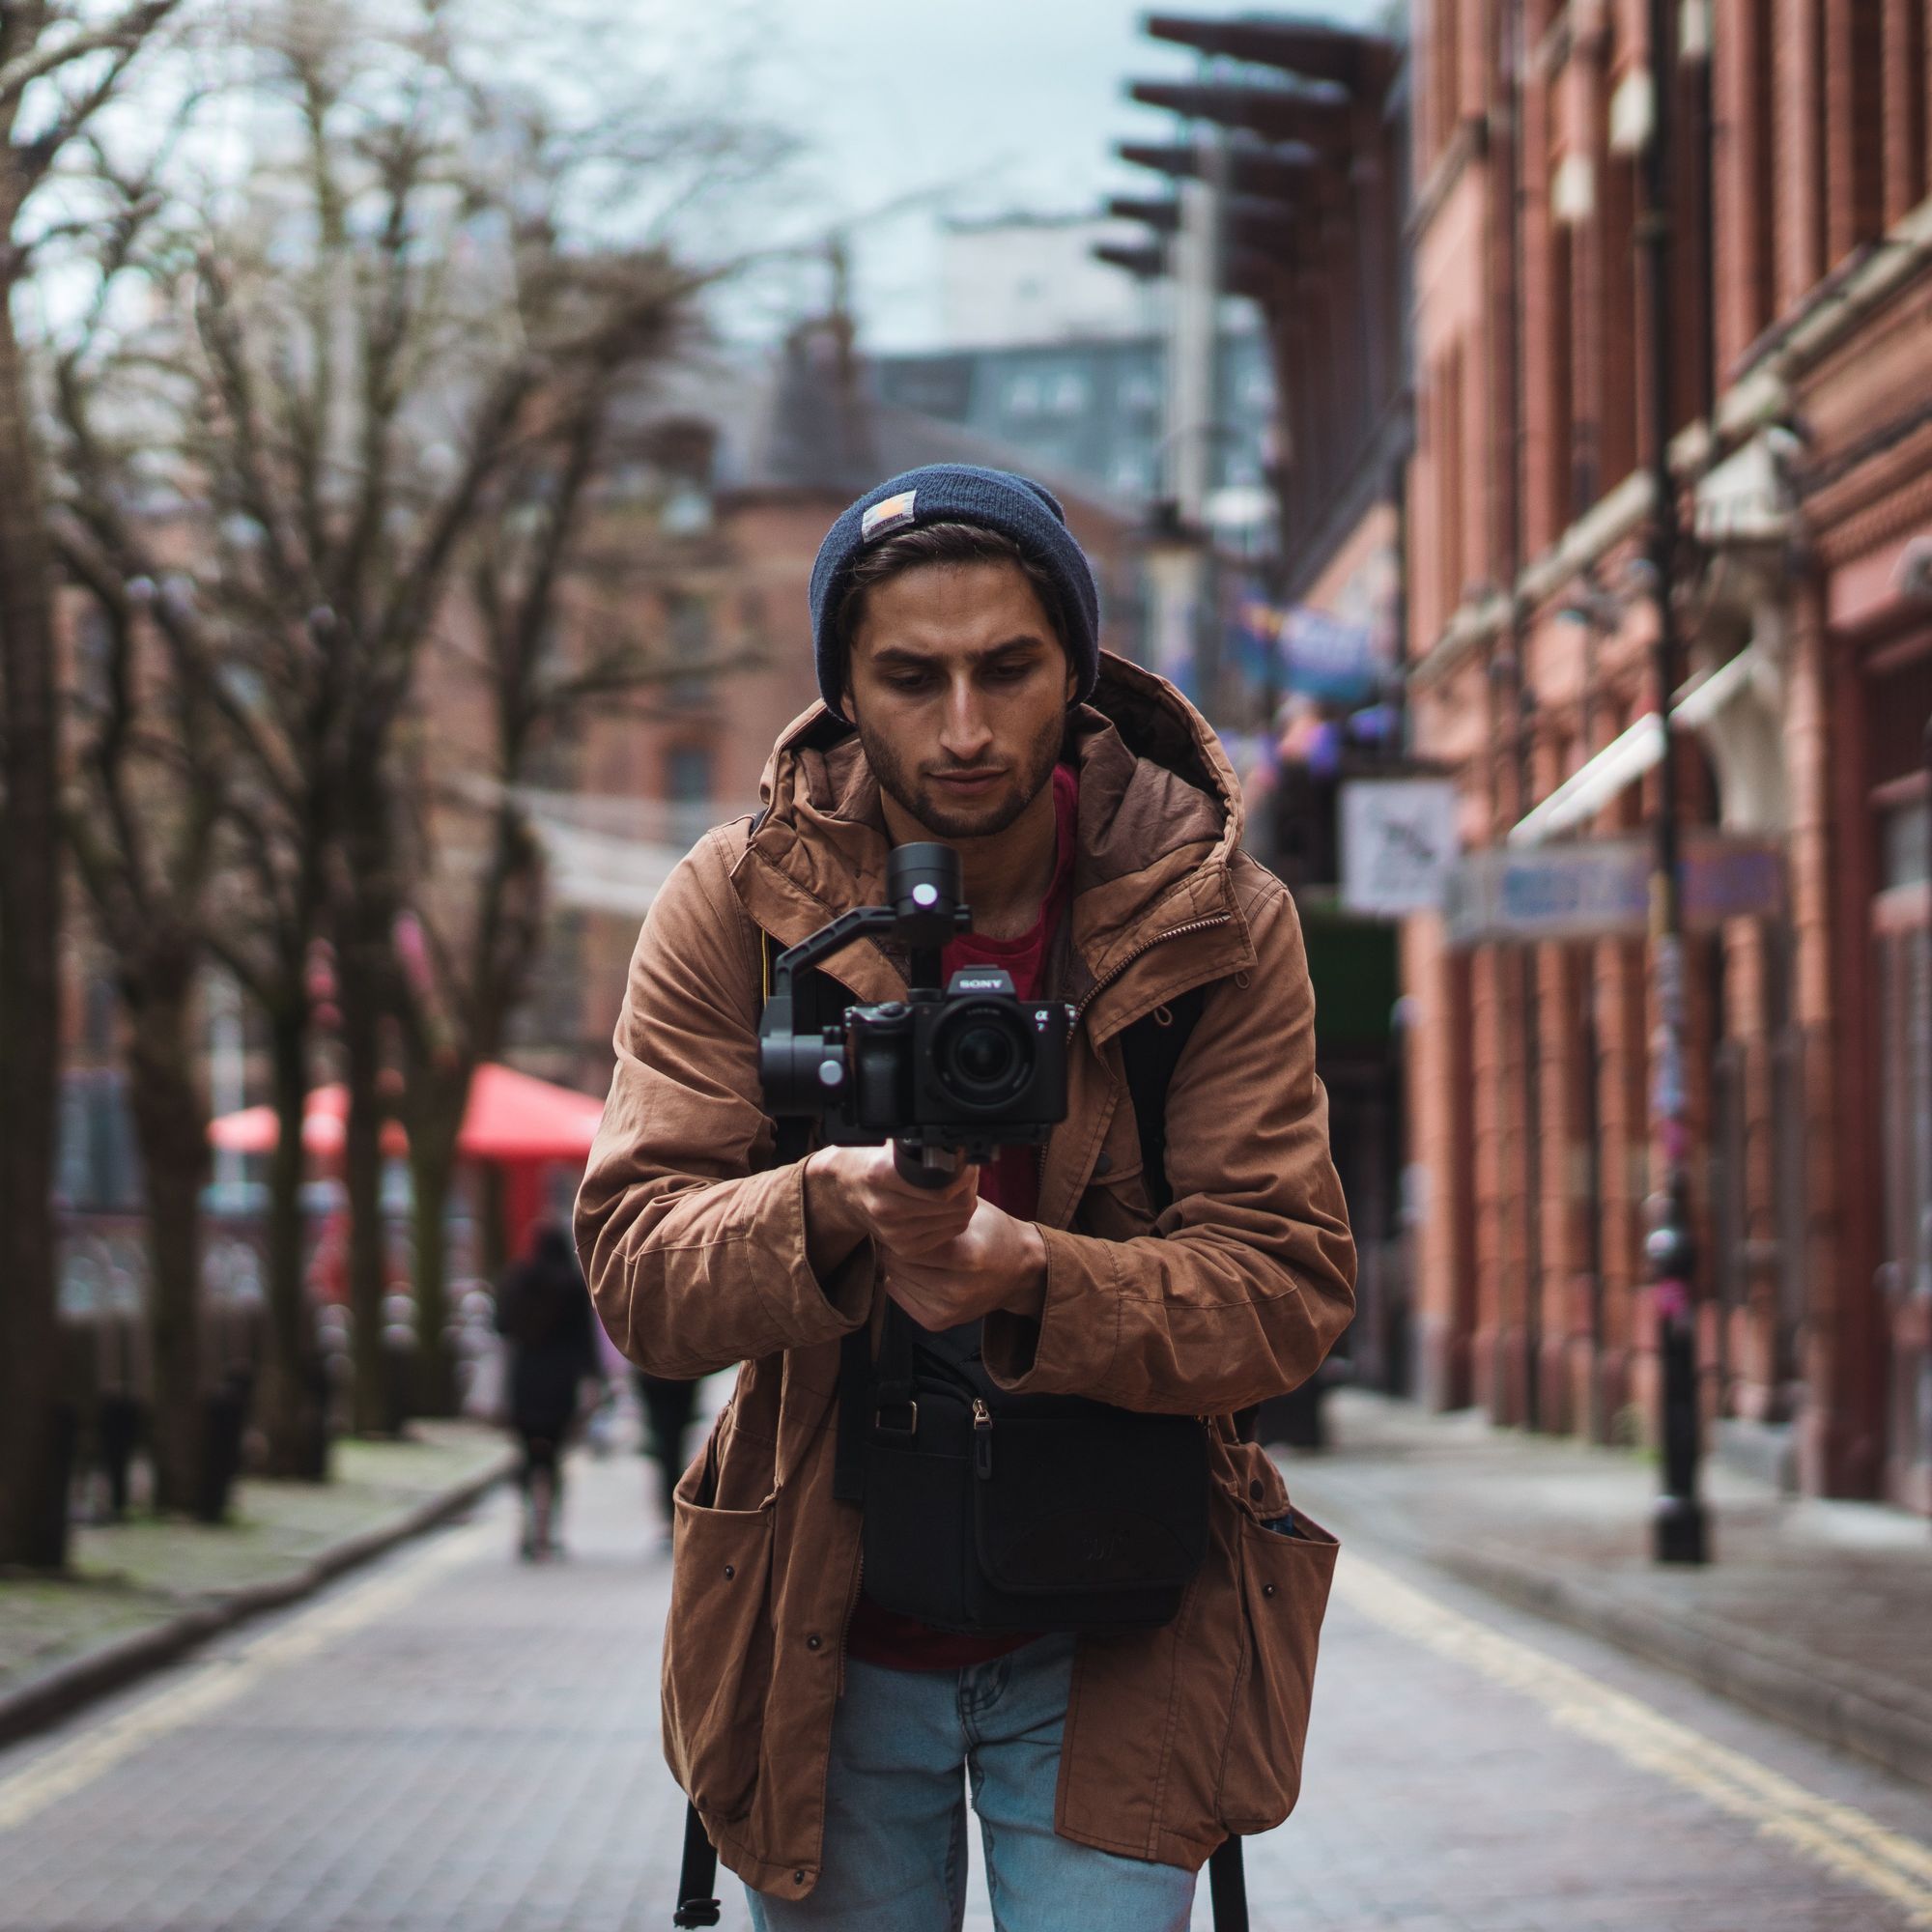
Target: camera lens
(982,1055)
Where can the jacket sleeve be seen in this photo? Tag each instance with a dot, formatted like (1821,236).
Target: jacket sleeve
(695,1261)
(1250,1278)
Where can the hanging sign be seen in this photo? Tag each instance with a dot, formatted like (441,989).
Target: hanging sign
(1398,838)
(1600,889)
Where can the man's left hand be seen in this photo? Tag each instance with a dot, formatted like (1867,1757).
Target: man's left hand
(996,1262)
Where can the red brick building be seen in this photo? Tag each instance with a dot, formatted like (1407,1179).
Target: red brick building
(1801,291)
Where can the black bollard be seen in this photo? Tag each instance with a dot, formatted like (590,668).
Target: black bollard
(224,1416)
(117,1428)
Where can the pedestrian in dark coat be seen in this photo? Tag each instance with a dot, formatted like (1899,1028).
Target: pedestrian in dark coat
(543,1311)
(669,1404)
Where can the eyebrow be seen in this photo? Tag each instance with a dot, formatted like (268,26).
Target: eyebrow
(905,656)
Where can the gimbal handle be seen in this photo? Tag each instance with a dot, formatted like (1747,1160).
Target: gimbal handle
(925,1166)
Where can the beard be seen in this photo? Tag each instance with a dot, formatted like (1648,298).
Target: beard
(1028,775)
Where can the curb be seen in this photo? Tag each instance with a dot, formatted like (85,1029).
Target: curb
(63,1690)
(1854,1710)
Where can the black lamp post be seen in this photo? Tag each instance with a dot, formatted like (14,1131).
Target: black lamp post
(1679,1532)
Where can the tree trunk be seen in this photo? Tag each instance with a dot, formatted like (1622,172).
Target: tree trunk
(295,1398)
(171,1129)
(436,1103)
(32,1516)
(362,1182)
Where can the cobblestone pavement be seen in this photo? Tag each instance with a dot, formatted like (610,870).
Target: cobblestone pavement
(455,1742)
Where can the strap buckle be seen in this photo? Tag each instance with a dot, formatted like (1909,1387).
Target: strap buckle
(909,1427)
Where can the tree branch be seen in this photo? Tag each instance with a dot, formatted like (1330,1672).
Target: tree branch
(48,55)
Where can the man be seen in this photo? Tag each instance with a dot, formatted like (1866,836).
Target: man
(820,1737)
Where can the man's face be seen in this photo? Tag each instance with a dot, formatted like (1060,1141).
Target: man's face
(959,691)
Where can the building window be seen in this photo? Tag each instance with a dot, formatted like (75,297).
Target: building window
(1023,396)
(688,790)
(1066,393)
(97,1166)
(688,625)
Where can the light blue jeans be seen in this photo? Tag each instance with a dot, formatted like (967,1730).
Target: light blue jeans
(896,1810)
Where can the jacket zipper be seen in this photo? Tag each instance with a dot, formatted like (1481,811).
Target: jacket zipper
(1100,986)
(983,1439)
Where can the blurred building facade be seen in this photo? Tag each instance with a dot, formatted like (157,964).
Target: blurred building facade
(1090,408)
(1442,234)
(1051,351)
(1288,174)
(1799,293)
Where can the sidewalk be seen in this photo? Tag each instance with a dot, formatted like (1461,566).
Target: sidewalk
(143,1591)
(1816,1613)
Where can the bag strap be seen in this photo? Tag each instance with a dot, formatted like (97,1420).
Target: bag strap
(697,1875)
(1150,1052)
(1228,1887)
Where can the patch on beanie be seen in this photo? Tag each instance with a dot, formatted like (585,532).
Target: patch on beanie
(882,519)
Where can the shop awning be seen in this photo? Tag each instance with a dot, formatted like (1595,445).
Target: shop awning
(513,1117)
(510,1116)
(1627,759)
(324,1125)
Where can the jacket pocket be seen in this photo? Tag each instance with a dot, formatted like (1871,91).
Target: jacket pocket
(717,1644)
(1283,1586)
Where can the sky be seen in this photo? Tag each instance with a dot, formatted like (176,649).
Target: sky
(952,107)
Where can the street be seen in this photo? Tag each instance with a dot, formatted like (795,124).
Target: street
(453,1740)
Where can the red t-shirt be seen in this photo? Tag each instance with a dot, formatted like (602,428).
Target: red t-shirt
(1010,1180)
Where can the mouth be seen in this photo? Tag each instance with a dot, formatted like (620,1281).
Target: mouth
(967,784)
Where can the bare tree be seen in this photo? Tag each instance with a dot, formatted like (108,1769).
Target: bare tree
(60,65)
(414,299)
(144,824)
(148,801)
(560,593)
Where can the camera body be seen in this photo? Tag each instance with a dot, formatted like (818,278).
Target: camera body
(974,1067)
(965,1069)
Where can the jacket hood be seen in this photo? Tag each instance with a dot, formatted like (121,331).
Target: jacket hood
(1160,823)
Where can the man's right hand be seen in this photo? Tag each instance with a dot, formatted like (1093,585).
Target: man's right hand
(854,1194)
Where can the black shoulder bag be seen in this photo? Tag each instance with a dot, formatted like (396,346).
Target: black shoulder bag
(989,1512)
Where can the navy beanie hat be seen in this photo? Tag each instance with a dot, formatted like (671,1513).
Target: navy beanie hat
(958,492)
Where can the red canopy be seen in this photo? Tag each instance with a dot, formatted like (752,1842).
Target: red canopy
(510,1116)
(324,1127)
(513,1117)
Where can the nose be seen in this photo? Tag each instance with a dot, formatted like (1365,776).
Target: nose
(966,734)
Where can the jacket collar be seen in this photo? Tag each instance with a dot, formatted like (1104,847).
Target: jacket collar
(1160,821)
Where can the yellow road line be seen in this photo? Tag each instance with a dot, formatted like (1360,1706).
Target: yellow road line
(1836,1836)
(206,1686)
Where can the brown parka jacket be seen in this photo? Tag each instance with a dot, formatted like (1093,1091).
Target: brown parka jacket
(696,1253)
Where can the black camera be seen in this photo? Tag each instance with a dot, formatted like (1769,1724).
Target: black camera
(943,1074)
